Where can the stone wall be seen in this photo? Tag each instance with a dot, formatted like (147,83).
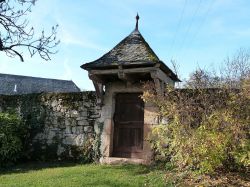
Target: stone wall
(60,124)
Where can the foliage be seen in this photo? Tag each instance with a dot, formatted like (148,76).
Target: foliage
(12,134)
(208,121)
(91,149)
(16,34)
(87,154)
(208,129)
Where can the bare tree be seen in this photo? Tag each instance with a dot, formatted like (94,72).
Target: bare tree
(233,73)
(236,68)
(202,78)
(176,69)
(16,34)
(175,66)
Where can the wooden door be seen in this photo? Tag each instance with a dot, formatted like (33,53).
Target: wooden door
(128,126)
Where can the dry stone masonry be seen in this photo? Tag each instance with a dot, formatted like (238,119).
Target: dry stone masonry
(60,124)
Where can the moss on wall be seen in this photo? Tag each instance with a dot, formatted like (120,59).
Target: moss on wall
(59,123)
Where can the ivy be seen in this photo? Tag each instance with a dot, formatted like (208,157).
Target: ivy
(13,132)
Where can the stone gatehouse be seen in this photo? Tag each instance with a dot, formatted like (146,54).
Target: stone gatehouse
(114,114)
(117,77)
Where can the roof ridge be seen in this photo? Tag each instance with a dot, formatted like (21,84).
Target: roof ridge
(26,76)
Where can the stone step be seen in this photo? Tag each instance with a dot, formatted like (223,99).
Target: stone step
(117,160)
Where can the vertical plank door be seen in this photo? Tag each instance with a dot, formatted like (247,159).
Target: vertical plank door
(128,125)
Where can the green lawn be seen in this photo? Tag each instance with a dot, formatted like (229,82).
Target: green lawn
(81,175)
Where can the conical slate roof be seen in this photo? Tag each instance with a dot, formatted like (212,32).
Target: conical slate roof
(132,50)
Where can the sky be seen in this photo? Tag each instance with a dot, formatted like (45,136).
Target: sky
(195,33)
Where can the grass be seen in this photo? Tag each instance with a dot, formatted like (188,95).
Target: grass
(54,174)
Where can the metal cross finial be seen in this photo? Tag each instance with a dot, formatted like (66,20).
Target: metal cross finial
(137,18)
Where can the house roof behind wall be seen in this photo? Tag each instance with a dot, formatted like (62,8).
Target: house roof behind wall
(18,84)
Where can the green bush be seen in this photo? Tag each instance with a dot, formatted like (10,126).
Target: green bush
(12,135)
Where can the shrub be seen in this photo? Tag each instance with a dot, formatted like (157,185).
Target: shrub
(12,135)
(208,129)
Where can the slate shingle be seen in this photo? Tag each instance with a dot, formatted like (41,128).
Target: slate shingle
(17,84)
(130,51)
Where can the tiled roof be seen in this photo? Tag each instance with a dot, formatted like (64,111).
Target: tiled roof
(17,84)
(131,50)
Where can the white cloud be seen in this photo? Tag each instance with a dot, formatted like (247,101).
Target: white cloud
(69,38)
(71,34)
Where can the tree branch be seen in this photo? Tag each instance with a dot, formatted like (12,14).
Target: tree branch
(15,34)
